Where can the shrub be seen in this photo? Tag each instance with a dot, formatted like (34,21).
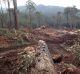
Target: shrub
(75,49)
(27,62)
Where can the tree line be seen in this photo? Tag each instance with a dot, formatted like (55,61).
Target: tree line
(13,18)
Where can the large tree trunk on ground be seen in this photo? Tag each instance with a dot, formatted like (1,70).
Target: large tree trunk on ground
(44,63)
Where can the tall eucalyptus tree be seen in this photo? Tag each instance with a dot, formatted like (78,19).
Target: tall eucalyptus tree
(31,8)
(1,14)
(15,14)
(9,13)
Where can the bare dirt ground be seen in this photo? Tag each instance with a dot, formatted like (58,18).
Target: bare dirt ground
(54,38)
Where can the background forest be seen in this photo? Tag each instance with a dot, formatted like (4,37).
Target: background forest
(32,15)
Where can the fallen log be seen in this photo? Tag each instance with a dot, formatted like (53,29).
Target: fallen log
(44,63)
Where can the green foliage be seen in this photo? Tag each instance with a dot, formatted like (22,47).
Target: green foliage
(71,16)
(75,49)
(27,61)
(30,5)
(16,37)
(31,8)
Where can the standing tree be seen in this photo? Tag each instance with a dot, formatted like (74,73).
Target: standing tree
(70,13)
(39,18)
(59,19)
(1,14)
(67,12)
(8,3)
(31,8)
(73,14)
(15,14)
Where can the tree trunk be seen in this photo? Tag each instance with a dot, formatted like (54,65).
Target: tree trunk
(15,14)
(44,62)
(30,20)
(9,13)
(2,17)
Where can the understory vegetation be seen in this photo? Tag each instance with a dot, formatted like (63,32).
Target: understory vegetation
(14,37)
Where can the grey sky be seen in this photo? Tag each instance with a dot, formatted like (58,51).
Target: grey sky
(63,3)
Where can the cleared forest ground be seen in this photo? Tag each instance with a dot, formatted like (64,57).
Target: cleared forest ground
(56,39)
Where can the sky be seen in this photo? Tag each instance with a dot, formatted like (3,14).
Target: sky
(63,3)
